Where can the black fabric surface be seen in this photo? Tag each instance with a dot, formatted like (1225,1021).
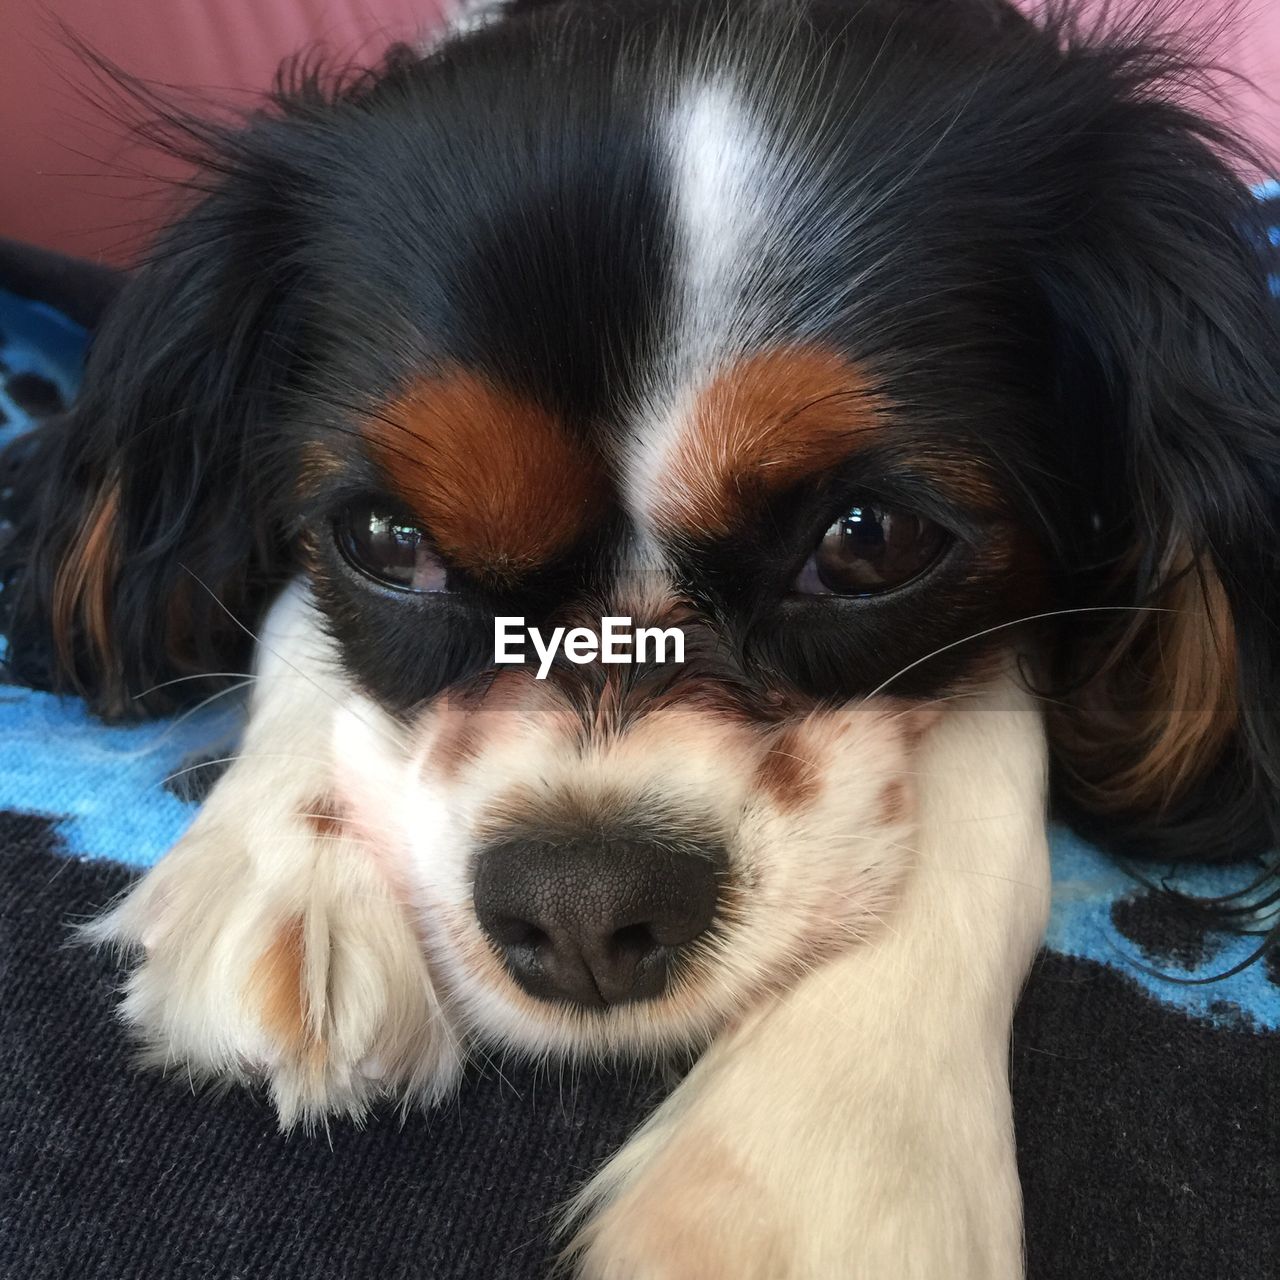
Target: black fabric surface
(1147,1141)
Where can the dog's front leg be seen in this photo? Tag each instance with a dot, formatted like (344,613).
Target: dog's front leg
(270,942)
(859,1125)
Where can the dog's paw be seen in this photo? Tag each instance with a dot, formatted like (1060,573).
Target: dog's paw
(697,1204)
(272,948)
(679,1203)
(760,1167)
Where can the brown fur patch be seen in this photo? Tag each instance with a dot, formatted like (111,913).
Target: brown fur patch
(325,818)
(698,1211)
(498,480)
(488,708)
(758,427)
(1200,708)
(1164,704)
(318,465)
(916,718)
(788,774)
(276,986)
(83,586)
(893,803)
(457,745)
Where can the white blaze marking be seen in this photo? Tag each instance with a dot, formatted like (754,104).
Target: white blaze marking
(725,196)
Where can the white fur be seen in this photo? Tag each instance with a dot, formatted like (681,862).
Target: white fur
(725,188)
(746,235)
(459,18)
(818,879)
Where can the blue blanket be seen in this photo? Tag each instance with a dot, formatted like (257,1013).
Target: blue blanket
(121,794)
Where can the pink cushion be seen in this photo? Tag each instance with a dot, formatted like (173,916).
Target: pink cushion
(63,163)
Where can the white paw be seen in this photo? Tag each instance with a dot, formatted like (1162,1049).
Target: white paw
(758,1168)
(270,946)
(678,1203)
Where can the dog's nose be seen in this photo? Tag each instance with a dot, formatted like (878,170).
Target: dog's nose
(594,922)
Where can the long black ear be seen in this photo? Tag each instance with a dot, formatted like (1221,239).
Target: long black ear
(148,515)
(1166,729)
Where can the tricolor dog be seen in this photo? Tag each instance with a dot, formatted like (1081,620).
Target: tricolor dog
(910,359)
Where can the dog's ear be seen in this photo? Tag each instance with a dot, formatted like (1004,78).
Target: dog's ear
(156,518)
(148,519)
(1165,725)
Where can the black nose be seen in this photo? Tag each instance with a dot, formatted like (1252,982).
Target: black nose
(594,921)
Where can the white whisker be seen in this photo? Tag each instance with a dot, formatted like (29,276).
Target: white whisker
(199,675)
(328,693)
(243,755)
(1014,622)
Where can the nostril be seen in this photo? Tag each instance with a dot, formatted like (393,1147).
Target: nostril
(513,932)
(634,940)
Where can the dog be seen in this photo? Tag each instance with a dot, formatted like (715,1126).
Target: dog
(910,359)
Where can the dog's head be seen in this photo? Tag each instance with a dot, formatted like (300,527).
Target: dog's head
(840,339)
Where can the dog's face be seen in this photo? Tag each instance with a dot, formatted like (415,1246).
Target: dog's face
(637,370)
(842,342)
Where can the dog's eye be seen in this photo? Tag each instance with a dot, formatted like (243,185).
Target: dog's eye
(390,549)
(871,548)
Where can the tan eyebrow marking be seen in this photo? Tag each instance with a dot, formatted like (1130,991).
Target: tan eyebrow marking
(498,480)
(757,427)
